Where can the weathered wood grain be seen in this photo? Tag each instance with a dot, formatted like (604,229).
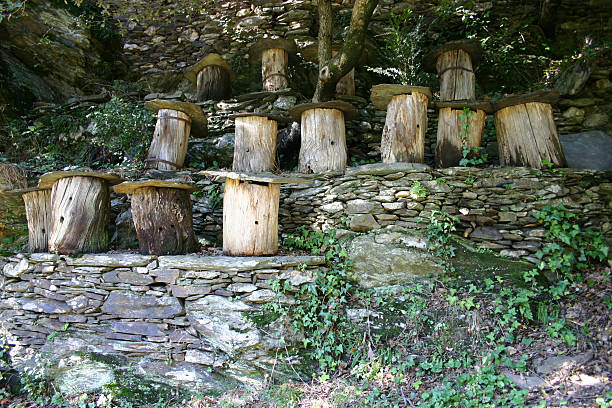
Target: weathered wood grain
(323,145)
(274,69)
(254,144)
(457,80)
(169,144)
(250,218)
(38,213)
(527,135)
(80,214)
(213,83)
(403,138)
(163,220)
(450,142)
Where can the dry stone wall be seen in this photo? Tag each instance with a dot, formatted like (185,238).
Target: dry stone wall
(188,310)
(496,205)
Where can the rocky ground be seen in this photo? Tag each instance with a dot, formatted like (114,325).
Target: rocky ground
(557,372)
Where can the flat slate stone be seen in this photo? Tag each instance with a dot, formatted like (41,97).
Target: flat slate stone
(129,305)
(129,277)
(143,328)
(235,264)
(45,306)
(48,179)
(259,177)
(588,150)
(471,46)
(264,44)
(382,94)
(110,260)
(383,169)
(350,112)
(211,59)
(130,187)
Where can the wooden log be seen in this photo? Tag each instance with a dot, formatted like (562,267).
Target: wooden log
(457,79)
(163,220)
(213,83)
(274,65)
(527,135)
(323,145)
(169,144)
(254,144)
(38,214)
(80,214)
(451,135)
(403,138)
(346,85)
(250,218)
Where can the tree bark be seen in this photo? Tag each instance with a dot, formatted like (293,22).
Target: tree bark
(323,145)
(449,146)
(255,144)
(169,144)
(274,64)
(250,218)
(403,138)
(346,85)
(332,69)
(163,220)
(527,135)
(457,79)
(80,213)
(213,83)
(38,213)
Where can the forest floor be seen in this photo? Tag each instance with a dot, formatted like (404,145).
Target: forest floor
(541,363)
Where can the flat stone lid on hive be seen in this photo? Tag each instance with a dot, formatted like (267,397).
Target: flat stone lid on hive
(211,59)
(487,106)
(350,113)
(128,187)
(48,179)
(21,191)
(257,177)
(271,116)
(549,96)
(199,123)
(262,45)
(471,46)
(382,94)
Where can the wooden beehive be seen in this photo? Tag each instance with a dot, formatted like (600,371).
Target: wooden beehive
(255,142)
(175,122)
(403,137)
(453,136)
(80,210)
(162,215)
(454,62)
(323,132)
(37,203)
(212,77)
(274,56)
(250,212)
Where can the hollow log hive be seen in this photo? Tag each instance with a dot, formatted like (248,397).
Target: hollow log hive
(38,214)
(273,55)
(212,77)
(250,212)
(527,135)
(162,215)
(169,144)
(452,136)
(457,79)
(255,144)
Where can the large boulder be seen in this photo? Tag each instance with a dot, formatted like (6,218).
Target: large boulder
(394,255)
(588,150)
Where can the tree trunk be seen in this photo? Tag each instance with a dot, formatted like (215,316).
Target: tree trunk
(332,69)
(323,141)
(449,147)
(213,83)
(250,218)
(346,85)
(457,79)
(527,135)
(255,144)
(274,64)
(80,214)
(38,213)
(163,220)
(169,144)
(403,138)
